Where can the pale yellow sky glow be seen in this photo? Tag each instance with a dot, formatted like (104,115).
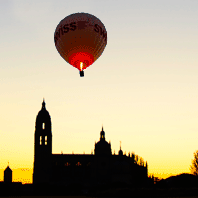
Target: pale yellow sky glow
(143,89)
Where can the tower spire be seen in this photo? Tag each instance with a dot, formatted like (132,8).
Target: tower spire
(43,104)
(102,134)
(120,151)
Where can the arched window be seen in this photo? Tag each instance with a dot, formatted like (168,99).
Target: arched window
(43,125)
(78,164)
(67,164)
(45,140)
(40,140)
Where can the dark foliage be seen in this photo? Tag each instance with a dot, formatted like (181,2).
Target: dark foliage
(194,166)
(180,181)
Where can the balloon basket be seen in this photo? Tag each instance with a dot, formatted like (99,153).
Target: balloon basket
(81,73)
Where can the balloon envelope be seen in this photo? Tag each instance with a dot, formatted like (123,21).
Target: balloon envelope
(80,39)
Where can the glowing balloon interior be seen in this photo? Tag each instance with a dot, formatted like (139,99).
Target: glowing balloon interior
(80,39)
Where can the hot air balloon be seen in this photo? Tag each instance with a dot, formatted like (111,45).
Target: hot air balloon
(80,39)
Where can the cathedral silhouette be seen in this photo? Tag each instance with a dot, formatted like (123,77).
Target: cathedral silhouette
(102,167)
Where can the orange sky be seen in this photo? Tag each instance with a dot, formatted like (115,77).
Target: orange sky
(143,88)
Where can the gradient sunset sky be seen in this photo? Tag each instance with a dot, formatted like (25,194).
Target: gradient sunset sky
(143,89)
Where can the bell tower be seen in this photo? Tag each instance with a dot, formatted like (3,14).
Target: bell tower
(42,146)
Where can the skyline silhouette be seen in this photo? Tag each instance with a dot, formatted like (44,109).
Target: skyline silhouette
(43,126)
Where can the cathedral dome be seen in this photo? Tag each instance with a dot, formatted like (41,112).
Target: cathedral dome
(102,147)
(102,143)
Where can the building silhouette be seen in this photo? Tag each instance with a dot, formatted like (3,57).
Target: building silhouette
(100,167)
(8,175)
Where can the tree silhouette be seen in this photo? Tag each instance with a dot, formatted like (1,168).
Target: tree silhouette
(194,166)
